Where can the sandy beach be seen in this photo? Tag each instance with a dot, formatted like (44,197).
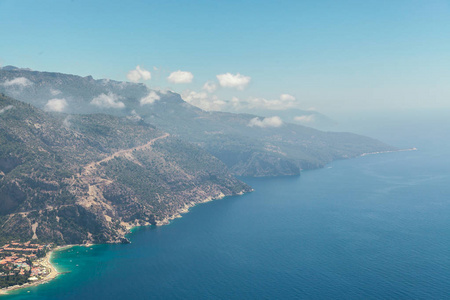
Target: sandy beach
(53,273)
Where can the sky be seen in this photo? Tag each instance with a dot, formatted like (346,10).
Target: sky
(331,56)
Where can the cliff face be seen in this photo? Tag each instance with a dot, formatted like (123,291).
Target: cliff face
(76,179)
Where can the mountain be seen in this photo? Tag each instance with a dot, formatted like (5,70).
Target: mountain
(73,179)
(249,145)
(84,160)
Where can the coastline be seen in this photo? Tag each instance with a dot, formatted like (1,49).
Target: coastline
(46,262)
(389,151)
(53,272)
(191,204)
(186,208)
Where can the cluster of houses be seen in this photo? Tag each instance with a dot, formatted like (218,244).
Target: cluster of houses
(20,259)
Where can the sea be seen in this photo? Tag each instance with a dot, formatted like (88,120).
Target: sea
(372,227)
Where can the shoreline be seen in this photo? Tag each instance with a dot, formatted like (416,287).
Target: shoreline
(192,204)
(46,261)
(389,151)
(183,210)
(186,208)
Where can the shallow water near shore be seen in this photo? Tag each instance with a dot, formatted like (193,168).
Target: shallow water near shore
(373,227)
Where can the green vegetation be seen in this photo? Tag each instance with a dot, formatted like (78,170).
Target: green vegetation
(12,277)
(46,181)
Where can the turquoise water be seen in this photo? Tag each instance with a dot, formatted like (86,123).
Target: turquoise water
(374,227)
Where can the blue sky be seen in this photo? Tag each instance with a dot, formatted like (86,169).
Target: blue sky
(331,55)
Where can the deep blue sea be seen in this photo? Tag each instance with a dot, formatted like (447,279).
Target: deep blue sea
(374,227)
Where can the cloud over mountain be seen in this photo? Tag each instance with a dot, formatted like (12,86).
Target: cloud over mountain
(284,102)
(56,105)
(150,98)
(19,81)
(8,107)
(209,86)
(55,92)
(138,74)
(180,77)
(204,100)
(237,81)
(305,119)
(265,122)
(109,100)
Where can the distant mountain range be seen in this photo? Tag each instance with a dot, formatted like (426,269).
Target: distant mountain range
(249,145)
(83,160)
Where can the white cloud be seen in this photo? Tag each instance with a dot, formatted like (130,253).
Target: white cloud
(55,92)
(305,118)
(237,81)
(209,86)
(285,101)
(180,77)
(66,122)
(150,98)
(266,122)
(19,81)
(204,100)
(138,74)
(235,103)
(135,116)
(287,97)
(56,105)
(108,101)
(8,107)
(207,101)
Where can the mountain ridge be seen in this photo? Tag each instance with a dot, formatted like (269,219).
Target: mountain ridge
(247,149)
(50,189)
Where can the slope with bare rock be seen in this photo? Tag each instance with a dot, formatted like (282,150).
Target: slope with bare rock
(88,178)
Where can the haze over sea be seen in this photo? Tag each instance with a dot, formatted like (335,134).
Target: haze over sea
(373,227)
